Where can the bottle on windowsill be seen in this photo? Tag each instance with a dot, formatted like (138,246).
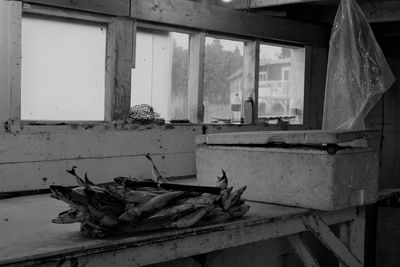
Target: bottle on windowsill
(236,109)
(248,110)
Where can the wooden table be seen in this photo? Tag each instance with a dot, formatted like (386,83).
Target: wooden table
(27,236)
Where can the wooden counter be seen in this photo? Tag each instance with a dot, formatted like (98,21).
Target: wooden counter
(27,236)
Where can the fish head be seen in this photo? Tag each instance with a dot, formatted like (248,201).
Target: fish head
(60,192)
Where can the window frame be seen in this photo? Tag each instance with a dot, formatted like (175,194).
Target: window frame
(121,34)
(120,57)
(307,79)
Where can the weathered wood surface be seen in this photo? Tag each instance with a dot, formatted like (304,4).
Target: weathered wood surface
(10,69)
(65,13)
(43,241)
(5,55)
(109,7)
(240,4)
(220,19)
(196,77)
(326,236)
(287,137)
(120,56)
(29,157)
(219,128)
(302,251)
(344,236)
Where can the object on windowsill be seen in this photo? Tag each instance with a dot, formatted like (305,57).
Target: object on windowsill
(248,110)
(145,114)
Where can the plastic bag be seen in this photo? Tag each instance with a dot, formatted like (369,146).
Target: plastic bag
(358,73)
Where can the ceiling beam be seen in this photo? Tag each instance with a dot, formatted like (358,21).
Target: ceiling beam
(375,11)
(246,4)
(382,11)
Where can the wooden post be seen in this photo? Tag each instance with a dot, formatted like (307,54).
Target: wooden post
(344,237)
(250,74)
(357,235)
(119,62)
(315,224)
(10,69)
(302,251)
(196,77)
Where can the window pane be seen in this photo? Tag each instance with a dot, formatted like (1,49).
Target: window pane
(281,83)
(223,81)
(160,77)
(63,70)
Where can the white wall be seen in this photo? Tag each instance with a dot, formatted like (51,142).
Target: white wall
(63,70)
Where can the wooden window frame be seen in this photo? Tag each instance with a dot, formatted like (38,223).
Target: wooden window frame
(119,58)
(120,54)
(307,78)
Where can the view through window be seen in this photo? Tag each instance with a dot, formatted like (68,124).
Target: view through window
(160,78)
(223,80)
(63,70)
(281,83)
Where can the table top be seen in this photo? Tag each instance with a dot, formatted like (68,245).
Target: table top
(27,233)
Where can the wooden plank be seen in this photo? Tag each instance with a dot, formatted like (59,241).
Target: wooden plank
(65,13)
(63,242)
(72,144)
(357,235)
(225,20)
(303,251)
(212,129)
(109,7)
(5,30)
(308,101)
(321,230)
(344,235)
(287,137)
(382,11)
(40,175)
(240,4)
(13,58)
(119,59)
(196,77)
(250,74)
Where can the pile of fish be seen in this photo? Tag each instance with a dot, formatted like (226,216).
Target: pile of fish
(131,205)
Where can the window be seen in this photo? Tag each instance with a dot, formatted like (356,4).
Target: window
(223,80)
(160,77)
(63,70)
(281,82)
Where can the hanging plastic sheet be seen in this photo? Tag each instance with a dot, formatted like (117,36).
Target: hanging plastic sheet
(357,74)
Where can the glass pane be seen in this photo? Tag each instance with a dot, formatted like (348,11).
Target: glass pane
(63,70)
(223,81)
(281,83)
(160,78)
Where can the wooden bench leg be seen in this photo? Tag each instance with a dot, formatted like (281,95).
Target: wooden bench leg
(356,236)
(302,251)
(344,235)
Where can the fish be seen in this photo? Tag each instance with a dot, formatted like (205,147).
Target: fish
(191,218)
(69,216)
(238,211)
(233,197)
(223,181)
(79,180)
(156,174)
(148,207)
